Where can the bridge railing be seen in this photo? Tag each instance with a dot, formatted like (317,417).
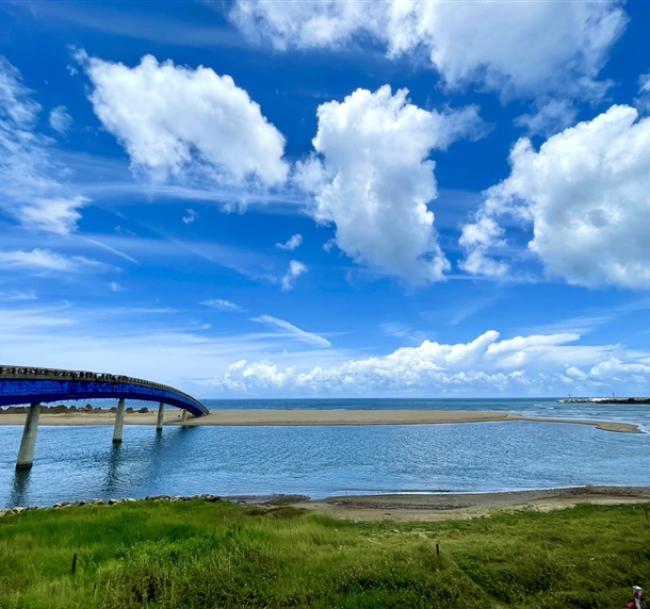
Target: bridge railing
(19,372)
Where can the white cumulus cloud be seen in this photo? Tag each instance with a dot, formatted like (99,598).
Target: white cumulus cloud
(373,179)
(533,365)
(586,195)
(520,48)
(304,25)
(478,239)
(179,122)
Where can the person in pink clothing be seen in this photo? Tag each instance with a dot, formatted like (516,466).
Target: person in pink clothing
(638,601)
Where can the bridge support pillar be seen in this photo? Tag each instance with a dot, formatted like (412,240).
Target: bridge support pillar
(184,416)
(119,422)
(28,441)
(159,421)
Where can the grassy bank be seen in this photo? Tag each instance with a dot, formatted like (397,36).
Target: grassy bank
(212,555)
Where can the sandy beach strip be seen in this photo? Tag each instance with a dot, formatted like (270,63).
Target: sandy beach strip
(304,417)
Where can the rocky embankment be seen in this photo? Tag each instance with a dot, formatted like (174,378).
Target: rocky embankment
(69,504)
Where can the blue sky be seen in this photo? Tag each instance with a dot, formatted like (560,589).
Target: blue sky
(271,199)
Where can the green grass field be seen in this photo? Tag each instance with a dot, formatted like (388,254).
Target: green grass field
(211,555)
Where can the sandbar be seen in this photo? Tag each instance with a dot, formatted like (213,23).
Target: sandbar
(305,417)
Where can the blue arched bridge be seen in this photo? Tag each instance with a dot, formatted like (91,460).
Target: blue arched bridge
(24,385)
(30,385)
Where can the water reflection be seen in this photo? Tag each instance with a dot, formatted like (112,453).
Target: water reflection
(146,461)
(155,458)
(20,488)
(111,482)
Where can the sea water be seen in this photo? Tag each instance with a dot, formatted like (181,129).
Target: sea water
(80,463)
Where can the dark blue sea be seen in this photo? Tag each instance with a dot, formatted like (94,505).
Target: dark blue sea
(73,463)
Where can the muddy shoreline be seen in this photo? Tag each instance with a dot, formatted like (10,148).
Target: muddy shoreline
(406,507)
(446,506)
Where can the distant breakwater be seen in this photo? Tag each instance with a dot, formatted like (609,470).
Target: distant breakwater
(611,400)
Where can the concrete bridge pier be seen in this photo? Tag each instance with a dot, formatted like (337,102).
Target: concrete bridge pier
(28,441)
(159,421)
(184,416)
(119,422)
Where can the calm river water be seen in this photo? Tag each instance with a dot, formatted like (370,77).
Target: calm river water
(80,462)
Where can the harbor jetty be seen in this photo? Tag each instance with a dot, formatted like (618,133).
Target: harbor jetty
(610,400)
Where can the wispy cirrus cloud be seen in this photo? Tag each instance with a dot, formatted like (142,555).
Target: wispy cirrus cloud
(109,248)
(185,30)
(30,176)
(288,280)
(158,343)
(190,216)
(642,101)
(221,304)
(43,260)
(60,119)
(18,295)
(292,243)
(291,331)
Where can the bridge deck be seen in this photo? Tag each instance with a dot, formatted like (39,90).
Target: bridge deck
(23,385)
